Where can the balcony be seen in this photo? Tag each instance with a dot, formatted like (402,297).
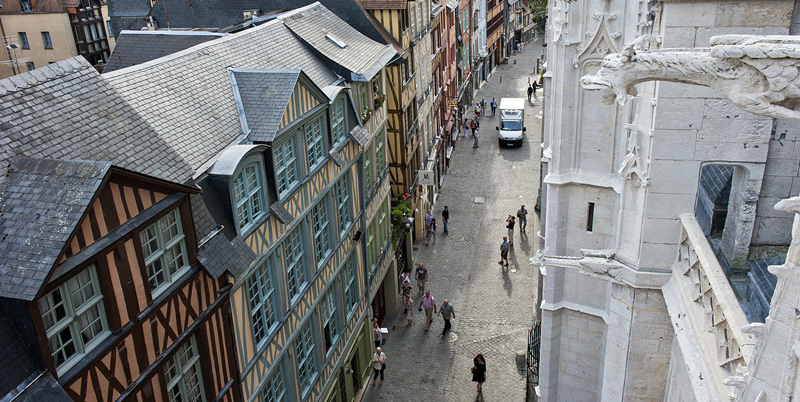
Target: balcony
(705,312)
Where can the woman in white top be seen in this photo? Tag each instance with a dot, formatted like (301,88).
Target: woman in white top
(378,365)
(377,335)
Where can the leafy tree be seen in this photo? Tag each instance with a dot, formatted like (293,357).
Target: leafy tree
(539,12)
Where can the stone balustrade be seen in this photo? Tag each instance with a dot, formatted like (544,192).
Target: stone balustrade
(712,308)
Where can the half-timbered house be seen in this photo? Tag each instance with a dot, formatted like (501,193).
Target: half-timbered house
(287,142)
(104,286)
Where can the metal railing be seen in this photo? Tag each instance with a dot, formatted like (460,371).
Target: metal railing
(532,358)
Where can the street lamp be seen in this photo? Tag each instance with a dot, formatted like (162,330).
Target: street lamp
(407,222)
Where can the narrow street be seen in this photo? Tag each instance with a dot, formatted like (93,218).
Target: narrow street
(494,307)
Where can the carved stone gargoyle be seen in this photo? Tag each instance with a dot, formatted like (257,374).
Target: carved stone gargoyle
(757,73)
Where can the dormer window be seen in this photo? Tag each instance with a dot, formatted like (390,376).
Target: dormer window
(26,5)
(248,195)
(74,319)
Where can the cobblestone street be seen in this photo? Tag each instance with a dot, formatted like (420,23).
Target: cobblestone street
(494,307)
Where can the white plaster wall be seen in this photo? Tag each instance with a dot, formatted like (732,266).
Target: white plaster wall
(649,350)
(679,385)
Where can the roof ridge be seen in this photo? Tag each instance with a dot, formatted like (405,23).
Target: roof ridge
(49,72)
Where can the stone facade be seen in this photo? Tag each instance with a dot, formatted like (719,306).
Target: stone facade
(619,178)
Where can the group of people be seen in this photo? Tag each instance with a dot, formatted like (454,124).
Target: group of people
(431,227)
(508,241)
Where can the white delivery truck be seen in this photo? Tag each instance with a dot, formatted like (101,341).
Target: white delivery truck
(512,121)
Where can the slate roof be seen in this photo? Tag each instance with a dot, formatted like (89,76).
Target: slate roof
(40,6)
(40,206)
(69,99)
(18,363)
(187,96)
(220,254)
(383,4)
(137,47)
(320,28)
(263,96)
(761,276)
(44,389)
(716,180)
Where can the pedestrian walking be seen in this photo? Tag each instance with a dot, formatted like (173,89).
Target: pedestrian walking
(475,134)
(504,251)
(473,125)
(408,306)
(446,312)
(483,103)
(421,274)
(377,335)
(477,111)
(522,215)
(466,127)
(535,85)
(510,227)
(431,232)
(378,365)
(429,303)
(406,291)
(530,92)
(478,370)
(428,218)
(445,218)
(493,104)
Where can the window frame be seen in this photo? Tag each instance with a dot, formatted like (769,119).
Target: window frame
(23,40)
(320,227)
(372,257)
(305,360)
(285,167)
(295,270)
(369,175)
(48,41)
(380,153)
(315,143)
(269,386)
(265,308)
(149,258)
(350,283)
(344,208)
(383,226)
(259,191)
(176,360)
(328,317)
(338,122)
(71,319)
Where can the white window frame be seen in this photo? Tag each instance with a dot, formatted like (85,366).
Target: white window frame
(343,204)
(320,225)
(160,254)
(294,263)
(285,167)
(383,225)
(304,354)
(249,200)
(315,143)
(380,153)
(183,368)
(369,174)
(372,257)
(338,122)
(261,299)
(69,324)
(329,319)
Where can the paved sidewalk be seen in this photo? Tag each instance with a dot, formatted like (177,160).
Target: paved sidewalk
(494,306)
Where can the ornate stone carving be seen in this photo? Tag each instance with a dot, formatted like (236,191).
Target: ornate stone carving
(757,73)
(634,163)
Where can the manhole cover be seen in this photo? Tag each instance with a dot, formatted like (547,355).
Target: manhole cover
(480,200)
(457,237)
(513,270)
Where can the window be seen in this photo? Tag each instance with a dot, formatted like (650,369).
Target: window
(413,18)
(259,293)
(74,318)
(164,252)
(380,153)
(372,257)
(26,5)
(46,39)
(343,202)
(109,29)
(338,124)
(183,374)
(304,353)
(273,390)
(31,66)
(315,143)
(365,99)
(383,224)
(369,177)
(350,284)
(330,329)
(285,166)
(247,195)
(319,223)
(293,261)
(23,40)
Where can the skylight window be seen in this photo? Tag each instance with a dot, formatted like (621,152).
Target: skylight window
(336,41)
